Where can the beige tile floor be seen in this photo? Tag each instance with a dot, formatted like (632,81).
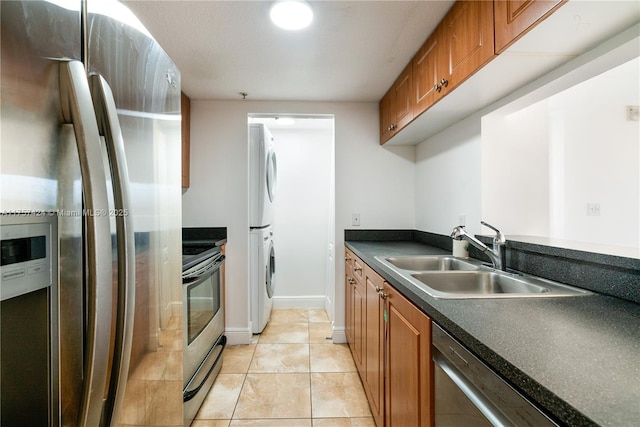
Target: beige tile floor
(291,376)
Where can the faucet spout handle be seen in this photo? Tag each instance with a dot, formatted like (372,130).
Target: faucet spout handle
(499,236)
(490,226)
(458,233)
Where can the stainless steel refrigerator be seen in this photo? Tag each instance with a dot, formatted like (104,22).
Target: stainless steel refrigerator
(90,134)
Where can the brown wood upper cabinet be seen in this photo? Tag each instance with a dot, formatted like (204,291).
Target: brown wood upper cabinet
(460,45)
(396,107)
(470,35)
(468,40)
(514,18)
(185,106)
(428,68)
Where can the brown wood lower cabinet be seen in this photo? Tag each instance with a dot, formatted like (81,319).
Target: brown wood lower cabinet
(409,369)
(348,296)
(358,325)
(355,309)
(390,340)
(374,344)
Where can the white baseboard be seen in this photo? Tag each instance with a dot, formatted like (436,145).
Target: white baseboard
(236,336)
(312,301)
(328,307)
(339,335)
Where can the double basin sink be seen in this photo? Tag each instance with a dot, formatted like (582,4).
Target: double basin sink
(448,277)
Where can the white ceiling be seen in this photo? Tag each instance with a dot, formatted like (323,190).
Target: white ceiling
(353,50)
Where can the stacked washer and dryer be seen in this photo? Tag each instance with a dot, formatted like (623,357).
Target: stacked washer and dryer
(262,187)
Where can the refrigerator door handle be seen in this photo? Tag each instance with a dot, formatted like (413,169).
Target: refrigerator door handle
(77,109)
(109,127)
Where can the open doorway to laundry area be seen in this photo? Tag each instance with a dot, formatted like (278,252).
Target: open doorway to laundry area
(304,209)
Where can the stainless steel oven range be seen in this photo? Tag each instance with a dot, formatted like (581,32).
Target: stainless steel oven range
(203,325)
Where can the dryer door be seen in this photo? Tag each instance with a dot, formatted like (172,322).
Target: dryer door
(271,271)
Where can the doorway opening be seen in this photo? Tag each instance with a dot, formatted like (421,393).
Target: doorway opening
(304,209)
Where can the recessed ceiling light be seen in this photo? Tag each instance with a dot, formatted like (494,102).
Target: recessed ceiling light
(291,14)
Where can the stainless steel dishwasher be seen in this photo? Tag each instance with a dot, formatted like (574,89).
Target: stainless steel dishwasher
(467,392)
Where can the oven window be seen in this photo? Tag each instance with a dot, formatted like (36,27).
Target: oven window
(203,302)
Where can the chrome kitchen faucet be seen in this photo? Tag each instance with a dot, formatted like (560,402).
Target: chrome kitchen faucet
(497,254)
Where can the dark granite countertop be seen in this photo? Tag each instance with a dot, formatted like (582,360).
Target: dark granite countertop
(204,236)
(578,358)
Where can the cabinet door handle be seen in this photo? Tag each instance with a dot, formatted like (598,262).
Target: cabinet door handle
(437,88)
(383,295)
(357,268)
(444,82)
(379,289)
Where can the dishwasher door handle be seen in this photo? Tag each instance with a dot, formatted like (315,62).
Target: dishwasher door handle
(484,405)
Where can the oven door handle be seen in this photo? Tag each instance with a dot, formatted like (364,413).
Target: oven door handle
(188,393)
(218,263)
(197,271)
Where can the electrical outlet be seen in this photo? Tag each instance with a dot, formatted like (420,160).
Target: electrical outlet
(355,219)
(593,209)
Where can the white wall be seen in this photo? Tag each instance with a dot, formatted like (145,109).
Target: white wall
(515,171)
(458,172)
(302,215)
(448,179)
(601,157)
(375,181)
(550,160)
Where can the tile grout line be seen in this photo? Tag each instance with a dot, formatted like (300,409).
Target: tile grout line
(310,372)
(235,407)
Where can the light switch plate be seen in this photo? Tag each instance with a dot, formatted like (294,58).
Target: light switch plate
(593,209)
